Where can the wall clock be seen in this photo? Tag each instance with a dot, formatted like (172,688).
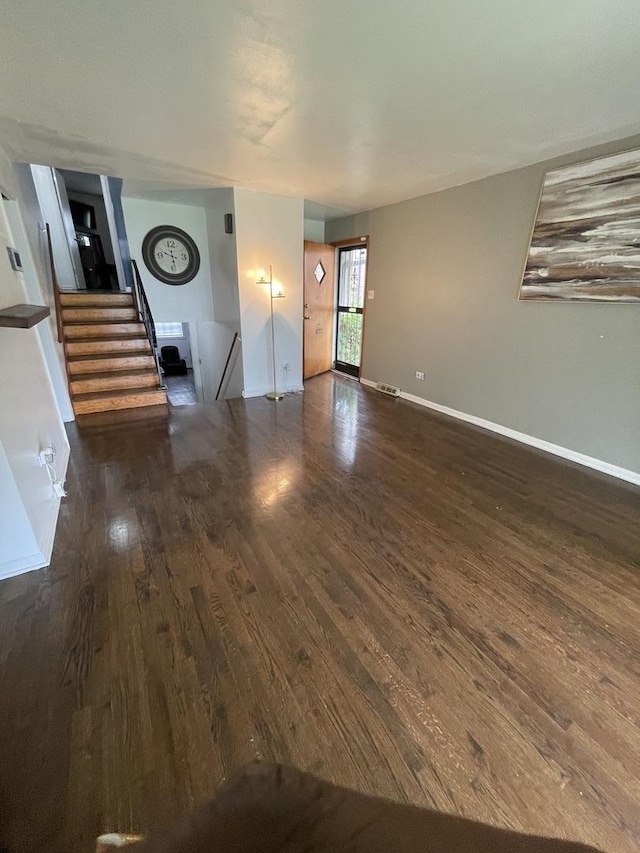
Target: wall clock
(170,254)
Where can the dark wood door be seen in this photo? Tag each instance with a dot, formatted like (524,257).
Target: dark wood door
(319,282)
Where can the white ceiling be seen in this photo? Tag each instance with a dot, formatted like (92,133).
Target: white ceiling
(348,103)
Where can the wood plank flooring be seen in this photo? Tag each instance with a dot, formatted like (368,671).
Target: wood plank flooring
(342,581)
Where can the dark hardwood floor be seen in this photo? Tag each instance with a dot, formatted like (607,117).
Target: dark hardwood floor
(342,581)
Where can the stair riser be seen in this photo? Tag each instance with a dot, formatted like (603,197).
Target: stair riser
(111,300)
(104,365)
(114,383)
(99,315)
(135,345)
(126,401)
(103,330)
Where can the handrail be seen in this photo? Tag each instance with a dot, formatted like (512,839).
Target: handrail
(146,317)
(56,288)
(136,305)
(226,365)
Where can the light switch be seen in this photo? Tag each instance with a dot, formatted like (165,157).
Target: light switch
(371,294)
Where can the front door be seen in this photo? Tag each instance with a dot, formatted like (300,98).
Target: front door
(352,269)
(318,307)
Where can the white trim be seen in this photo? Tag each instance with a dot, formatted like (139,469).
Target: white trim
(539,443)
(253,392)
(257,392)
(113,232)
(39,559)
(23,565)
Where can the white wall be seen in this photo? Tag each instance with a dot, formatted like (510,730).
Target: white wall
(211,344)
(29,421)
(210,302)
(314,230)
(269,230)
(25,222)
(214,339)
(188,302)
(223,256)
(18,545)
(224,296)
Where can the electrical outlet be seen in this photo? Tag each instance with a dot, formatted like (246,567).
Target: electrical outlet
(47,456)
(419,374)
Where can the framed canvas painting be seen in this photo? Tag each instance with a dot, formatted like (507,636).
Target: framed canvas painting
(585,245)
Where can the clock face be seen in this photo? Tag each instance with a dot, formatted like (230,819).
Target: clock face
(170,255)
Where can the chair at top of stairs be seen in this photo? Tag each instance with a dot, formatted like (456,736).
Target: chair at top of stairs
(171,362)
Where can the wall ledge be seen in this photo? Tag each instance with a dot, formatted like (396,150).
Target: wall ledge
(523,438)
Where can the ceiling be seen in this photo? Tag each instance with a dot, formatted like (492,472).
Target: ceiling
(350,105)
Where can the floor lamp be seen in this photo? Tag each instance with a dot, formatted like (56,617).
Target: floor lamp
(272,395)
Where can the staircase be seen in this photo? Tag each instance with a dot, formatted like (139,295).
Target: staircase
(110,363)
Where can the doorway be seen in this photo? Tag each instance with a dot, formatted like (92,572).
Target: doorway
(319,306)
(89,242)
(174,346)
(352,273)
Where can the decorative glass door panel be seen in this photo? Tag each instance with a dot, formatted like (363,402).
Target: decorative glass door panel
(352,264)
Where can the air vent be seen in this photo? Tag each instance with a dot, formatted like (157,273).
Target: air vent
(391,390)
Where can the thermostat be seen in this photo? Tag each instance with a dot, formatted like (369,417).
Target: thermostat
(14,259)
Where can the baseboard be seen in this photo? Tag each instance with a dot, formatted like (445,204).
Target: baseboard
(39,559)
(523,438)
(23,565)
(264,391)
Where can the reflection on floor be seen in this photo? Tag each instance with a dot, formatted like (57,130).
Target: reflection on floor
(181,390)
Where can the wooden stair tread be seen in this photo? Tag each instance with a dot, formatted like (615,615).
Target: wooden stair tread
(95,291)
(105,401)
(98,315)
(109,362)
(104,355)
(98,356)
(125,336)
(124,381)
(98,306)
(100,319)
(119,392)
(93,346)
(69,299)
(107,374)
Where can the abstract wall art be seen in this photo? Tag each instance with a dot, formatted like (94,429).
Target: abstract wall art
(585,245)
